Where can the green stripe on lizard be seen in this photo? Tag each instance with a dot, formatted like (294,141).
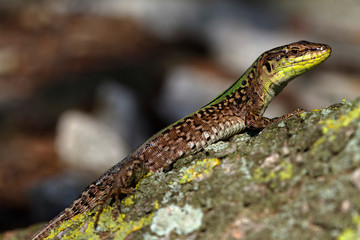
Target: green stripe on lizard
(239,107)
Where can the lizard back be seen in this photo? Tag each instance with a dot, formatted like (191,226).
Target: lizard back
(240,106)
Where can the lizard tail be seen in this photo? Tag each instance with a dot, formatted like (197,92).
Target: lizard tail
(85,202)
(95,194)
(44,231)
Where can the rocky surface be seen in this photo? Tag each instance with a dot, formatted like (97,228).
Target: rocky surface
(298,179)
(57,56)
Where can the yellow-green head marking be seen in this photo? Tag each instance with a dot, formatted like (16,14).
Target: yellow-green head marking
(280,65)
(238,108)
(272,71)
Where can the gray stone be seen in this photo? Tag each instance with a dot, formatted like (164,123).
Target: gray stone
(83,142)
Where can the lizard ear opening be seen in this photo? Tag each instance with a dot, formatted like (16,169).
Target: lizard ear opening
(268,66)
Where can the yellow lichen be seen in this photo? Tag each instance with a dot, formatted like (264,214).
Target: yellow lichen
(201,168)
(345,101)
(330,126)
(287,171)
(119,226)
(303,115)
(261,176)
(264,176)
(351,233)
(138,183)
(66,224)
(132,226)
(319,142)
(156,204)
(129,200)
(341,122)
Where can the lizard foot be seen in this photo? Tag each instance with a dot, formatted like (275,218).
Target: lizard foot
(121,191)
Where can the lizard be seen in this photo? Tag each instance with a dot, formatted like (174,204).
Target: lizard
(239,107)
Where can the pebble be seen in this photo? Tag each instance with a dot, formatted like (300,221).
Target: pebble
(84,142)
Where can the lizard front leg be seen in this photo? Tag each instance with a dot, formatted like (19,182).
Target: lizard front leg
(123,182)
(255,121)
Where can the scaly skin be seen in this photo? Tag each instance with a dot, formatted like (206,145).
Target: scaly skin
(240,106)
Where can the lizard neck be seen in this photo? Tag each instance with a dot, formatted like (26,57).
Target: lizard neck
(238,90)
(247,93)
(221,118)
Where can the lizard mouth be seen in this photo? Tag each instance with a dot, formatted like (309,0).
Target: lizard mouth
(312,57)
(302,61)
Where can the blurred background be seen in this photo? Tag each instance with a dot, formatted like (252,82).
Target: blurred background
(84,82)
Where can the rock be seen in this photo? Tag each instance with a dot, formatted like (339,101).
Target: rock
(83,142)
(297,179)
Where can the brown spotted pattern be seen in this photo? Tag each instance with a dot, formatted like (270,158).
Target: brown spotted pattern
(223,117)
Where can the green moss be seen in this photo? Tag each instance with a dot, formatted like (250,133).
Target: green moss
(199,169)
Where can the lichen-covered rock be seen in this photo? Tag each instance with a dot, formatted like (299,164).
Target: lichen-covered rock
(298,179)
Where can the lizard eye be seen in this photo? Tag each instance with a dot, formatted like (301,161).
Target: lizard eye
(268,66)
(294,51)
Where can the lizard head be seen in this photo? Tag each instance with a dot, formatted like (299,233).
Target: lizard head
(272,71)
(278,66)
